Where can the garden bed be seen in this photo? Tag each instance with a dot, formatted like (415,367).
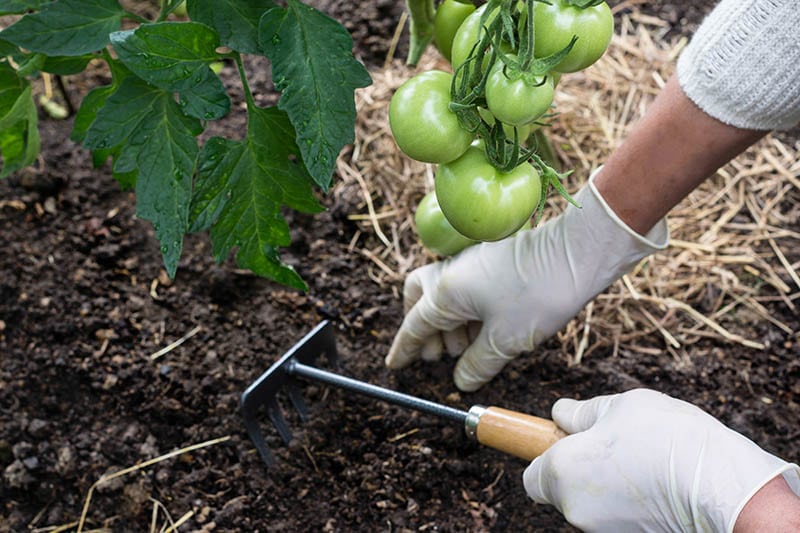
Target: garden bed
(92,380)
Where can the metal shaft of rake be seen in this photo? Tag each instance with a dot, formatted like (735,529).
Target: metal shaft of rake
(398,398)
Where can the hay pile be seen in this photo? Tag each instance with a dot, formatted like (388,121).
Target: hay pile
(735,247)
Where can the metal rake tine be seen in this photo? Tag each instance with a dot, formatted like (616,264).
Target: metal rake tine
(276,415)
(254,430)
(296,397)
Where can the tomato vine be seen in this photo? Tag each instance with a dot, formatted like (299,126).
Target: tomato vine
(162,93)
(507,56)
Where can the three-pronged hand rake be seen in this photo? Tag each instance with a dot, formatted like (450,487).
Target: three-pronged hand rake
(518,434)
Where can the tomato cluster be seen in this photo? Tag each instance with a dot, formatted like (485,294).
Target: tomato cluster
(475,123)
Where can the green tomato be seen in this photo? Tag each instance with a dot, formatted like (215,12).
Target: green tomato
(422,124)
(516,102)
(449,16)
(558,21)
(523,132)
(468,35)
(483,203)
(434,231)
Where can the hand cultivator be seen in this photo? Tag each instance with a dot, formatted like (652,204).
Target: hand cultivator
(515,433)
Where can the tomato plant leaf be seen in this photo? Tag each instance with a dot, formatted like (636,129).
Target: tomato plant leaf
(66,66)
(19,134)
(13,7)
(7,49)
(175,56)
(91,104)
(157,140)
(317,92)
(67,27)
(29,64)
(236,21)
(240,189)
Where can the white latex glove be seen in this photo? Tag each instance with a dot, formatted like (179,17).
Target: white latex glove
(643,461)
(521,290)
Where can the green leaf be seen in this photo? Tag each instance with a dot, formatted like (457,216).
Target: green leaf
(30,64)
(91,104)
(7,49)
(67,27)
(157,141)
(13,7)
(240,189)
(19,134)
(317,92)
(175,56)
(66,66)
(126,180)
(236,21)
(95,100)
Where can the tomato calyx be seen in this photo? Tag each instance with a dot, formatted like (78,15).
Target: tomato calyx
(550,178)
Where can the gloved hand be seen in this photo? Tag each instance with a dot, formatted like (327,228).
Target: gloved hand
(643,461)
(521,290)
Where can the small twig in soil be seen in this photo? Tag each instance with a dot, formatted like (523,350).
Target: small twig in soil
(402,435)
(169,348)
(310,458)
(141,466)
(186,516)
(154,520)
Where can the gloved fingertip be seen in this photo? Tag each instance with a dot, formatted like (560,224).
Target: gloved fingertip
(432,349)
(574,416)
(455,341)
(563,408)
(400,354)
(531,480)
(467,383)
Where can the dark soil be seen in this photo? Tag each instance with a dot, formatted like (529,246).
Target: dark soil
(84,303)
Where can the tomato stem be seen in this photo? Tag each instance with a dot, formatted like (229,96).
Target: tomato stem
(243,76)
(527,39)
(422,14)
(545,148)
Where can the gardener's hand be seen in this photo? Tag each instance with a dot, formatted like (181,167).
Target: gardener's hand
(520,290)
(647,462)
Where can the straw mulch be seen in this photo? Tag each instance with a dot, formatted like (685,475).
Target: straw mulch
(735,248)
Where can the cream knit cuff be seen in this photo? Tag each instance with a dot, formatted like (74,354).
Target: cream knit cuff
(742,66)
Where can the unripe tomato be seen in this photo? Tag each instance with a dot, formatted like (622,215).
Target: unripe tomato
(468,35)
(483,203)
(422,124)
(558,21)
(434,231)
(523,132)
(449,16)
(516,102)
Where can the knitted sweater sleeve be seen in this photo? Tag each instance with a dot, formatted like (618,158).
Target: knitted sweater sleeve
(742,66)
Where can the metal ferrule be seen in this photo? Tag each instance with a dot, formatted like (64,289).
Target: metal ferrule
(471,422)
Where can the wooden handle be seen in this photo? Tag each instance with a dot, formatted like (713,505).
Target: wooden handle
(524,436)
